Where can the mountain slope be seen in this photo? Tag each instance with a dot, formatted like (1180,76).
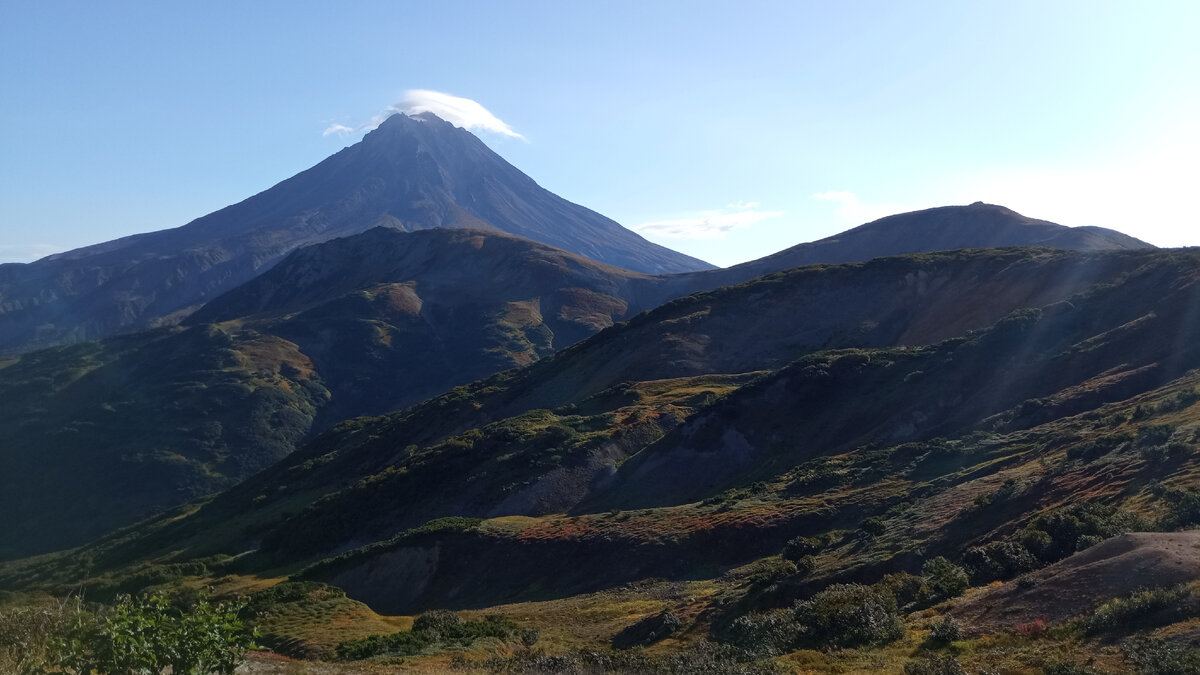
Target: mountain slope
(134,424)
(1005,448)
(405,468)
(978,225)
(941,228)
(383,319)
(411,173)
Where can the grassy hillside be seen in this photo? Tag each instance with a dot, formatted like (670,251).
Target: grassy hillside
(912,464)
(101,434)
(136,424)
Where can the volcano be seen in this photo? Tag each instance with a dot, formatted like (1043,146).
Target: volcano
(411,173)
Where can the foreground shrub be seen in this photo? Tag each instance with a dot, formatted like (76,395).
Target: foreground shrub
(1153,656)
(1151,607)
(944,579)
(1065,668)
(850,615)
(1183,509)
(704,658)
(945,630)
(437,629)
(998,560)
(874,526)
(1061,532)
(24,632)
(439,620)
(799,547)
(762,634)
(933,664)
(147,635)
(909,590)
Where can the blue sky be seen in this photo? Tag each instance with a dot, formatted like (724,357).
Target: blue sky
(725,130)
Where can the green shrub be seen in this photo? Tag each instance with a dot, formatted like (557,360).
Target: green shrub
(438,628)
(944,578)
(530,636)
(771,570)
(805,565)
(1183,508)
(1154,656)
(908,589)
(945,630)
(147,635)
(267,600)
(762,634)
(1130,613)
(850,615)
(702,658)
(933,664)
(874,526)
(439,620)
(799,547)
(1065,668)
(24,632)
(998,560)
(1063,530)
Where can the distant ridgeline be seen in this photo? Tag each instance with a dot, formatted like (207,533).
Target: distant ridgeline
(363,325)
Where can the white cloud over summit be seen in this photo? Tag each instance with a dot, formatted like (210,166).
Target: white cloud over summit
(712,224)
(459,111)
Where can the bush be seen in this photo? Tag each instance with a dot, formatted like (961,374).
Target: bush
(805,565)
(874,526)
(771,570)
(436,628)
(148,636)
(1064,530)
(945,630)
(1184,508)
(1153,656)
(1130,613)
(530,636)
(944,578)
(703,657)
(437,619)
(998,560)
(762,634)
(24,632)
(1065,668)
(932,664)
(850,615)
(800,547)
(908,589)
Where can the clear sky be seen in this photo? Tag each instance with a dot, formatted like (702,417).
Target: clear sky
(724,130)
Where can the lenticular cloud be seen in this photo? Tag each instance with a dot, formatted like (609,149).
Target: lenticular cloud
(461,112)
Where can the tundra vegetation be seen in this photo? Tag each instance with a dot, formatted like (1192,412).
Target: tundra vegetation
(843,504)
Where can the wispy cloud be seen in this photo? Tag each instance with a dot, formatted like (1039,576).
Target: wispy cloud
(712,224)
(26,252)
(853,211)
(459,111)
(339,129)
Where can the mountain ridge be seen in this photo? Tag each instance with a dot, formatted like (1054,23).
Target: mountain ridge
(407,174)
